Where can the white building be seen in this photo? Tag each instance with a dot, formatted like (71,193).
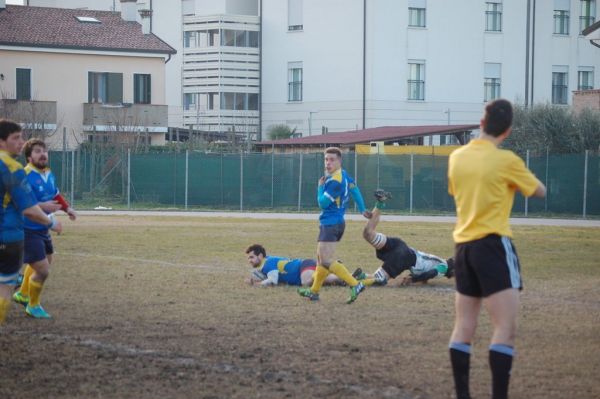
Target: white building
(337,65)
(347,64)
(221,61)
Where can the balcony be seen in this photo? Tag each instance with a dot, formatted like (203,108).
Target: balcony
(125,117)
(38,115)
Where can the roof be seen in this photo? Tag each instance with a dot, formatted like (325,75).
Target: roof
(385,133)
(592,33)
(59,28)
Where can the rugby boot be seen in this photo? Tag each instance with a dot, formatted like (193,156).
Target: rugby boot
(37,312)
(307,293)
(20,298)
(355,291)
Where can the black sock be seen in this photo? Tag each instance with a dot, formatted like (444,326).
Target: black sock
(460,357)
(501,357)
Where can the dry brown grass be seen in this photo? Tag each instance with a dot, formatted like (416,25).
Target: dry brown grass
(156,307)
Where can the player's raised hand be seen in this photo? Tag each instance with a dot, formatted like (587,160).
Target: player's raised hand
(72,214)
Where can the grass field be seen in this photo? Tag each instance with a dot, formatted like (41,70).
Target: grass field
(156,307)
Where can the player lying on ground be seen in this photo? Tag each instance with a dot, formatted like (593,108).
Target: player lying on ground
(274,270)
(397,256)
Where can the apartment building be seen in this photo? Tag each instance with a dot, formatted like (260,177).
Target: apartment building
(339,65)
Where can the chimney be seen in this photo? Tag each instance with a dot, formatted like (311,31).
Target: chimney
(146,21)
(128,10)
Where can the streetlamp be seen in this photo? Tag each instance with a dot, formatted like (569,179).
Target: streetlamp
(310,113)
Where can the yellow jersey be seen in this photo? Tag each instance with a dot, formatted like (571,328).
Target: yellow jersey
(483,180)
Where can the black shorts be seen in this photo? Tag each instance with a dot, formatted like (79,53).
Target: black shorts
(486,266)
(11,260)
(396,256)
(331,233)
(38,245)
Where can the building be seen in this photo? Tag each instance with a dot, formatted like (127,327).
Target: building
(221,61)
(81,75)
(212,83)
(341,65)
(353,64)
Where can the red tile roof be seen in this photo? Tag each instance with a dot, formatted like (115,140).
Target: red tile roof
(385,133)
(59,28)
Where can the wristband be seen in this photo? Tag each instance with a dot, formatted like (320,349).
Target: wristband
(52,223)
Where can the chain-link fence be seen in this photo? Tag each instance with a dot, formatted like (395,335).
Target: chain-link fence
(288,182)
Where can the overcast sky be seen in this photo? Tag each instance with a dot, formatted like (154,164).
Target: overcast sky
(14,2)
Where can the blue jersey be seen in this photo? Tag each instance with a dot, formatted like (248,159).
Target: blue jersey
(43,186)
(289,269)
(16,197)
(337,188)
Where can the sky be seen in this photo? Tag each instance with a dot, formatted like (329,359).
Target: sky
(14,2)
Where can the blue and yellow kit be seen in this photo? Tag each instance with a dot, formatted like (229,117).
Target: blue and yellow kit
(289,269)
(43,186)
(333,197)
(16,197)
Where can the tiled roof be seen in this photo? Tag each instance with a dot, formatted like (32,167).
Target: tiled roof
(385,133)
(59,28)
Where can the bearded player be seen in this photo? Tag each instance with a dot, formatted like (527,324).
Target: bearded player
(38,242)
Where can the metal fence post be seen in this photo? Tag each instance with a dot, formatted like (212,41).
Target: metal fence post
(300,184)
(377,167)
(355,173)
(187,175)
(73,178)
(129,178)
(63,172)
(241,180)
(546,181)
(410,198)
(585,173)
(526,198)
(272,175)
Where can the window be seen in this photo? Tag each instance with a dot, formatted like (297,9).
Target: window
(228,37)
(88,20)
(239,38)
(189,101)
(585,79)
(200,101)
(295,15)
(253,101)
(416,80)
(295,81)
(416,17)
(213,37)
(189,39)
(105,88)
(142,90)
(252,39)
(559,88)
(493,17)
(23,84)
(561,22)
(588,14)
(491,81)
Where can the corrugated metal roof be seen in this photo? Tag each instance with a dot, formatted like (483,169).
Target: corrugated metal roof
(384,133)
(60,28)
